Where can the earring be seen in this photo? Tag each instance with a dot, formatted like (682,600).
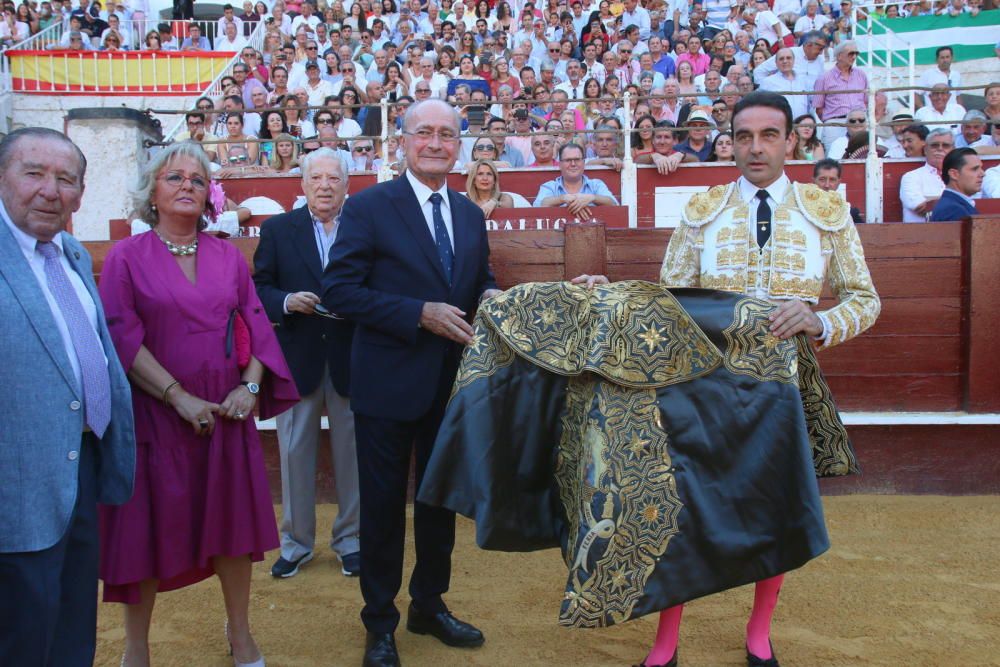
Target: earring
(152,207)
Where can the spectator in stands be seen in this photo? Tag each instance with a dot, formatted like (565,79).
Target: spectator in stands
(195,41)
(698,59)
(830,104)
(285,158)
(826,175)
(722,112)
(941,73)
(894,143)
(920,189)
(604,145)
(238,149)
(811,146)
(642,136)
(856,125)
(913,139)
(991,183)
(152,42)
(811,21)
(572,188)
(973,134)
(317,90)
(992,95)
(230,41)
(962,173)
(483,187)
(787,80)
(497,129)
(940,109)
(272,124)
(699,125)
(543,150)
(722,148)
(12,30)
(663,156)
(363,156)
(297,125)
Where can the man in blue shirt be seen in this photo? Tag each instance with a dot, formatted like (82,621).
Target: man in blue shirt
(572,189)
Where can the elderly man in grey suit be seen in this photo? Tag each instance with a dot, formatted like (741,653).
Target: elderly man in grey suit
(66,430)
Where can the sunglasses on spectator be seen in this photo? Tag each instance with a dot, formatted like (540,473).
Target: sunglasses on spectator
(324,121)
(362,149)
(486,147)
(855,121)
(345,70)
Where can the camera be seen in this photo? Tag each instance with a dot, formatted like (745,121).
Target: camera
(476,115)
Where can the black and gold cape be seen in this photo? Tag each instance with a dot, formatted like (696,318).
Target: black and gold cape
(663,439)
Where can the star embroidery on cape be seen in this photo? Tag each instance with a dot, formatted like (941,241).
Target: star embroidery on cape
(546,317)
(652,337)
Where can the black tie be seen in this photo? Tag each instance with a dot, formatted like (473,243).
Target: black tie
(763,219)
(445,252)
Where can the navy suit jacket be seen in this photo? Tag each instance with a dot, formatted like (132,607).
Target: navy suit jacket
(952,207)
(383,267)
(42,414)
(287,260)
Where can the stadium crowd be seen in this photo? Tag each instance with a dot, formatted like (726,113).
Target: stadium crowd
(529,79)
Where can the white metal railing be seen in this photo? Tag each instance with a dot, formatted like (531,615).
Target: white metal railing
(885,53)
(40,40)
(214,89)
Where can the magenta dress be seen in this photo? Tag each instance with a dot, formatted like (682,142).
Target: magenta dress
(195,496)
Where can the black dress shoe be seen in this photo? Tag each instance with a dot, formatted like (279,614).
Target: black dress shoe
(754,661)
(444,627)
(669,663)
(380,650)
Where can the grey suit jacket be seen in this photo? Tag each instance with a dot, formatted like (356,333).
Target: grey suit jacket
(41,418)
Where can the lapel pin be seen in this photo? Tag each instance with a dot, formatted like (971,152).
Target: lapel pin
(77,255)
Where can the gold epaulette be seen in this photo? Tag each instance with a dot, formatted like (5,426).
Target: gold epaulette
(826,210)
(705,206)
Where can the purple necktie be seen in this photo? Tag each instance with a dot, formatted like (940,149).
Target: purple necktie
(89,353)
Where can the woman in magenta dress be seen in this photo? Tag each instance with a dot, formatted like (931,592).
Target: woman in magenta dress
(202,505)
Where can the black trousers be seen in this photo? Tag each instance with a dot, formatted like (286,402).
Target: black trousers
(48,598)
(384,448)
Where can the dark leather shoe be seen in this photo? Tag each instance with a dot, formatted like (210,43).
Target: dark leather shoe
(380,650)
(670,663)
(754,661)
(444,627)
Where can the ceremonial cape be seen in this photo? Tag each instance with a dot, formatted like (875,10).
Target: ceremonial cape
(663,439)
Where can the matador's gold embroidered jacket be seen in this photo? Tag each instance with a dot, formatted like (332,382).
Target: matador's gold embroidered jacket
(813,241)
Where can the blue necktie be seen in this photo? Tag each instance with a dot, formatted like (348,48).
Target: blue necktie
(763,219)
(89,353)
(445,252)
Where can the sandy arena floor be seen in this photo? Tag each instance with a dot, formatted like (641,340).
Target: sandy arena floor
(910,581)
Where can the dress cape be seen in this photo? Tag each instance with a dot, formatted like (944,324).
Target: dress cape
(662,438)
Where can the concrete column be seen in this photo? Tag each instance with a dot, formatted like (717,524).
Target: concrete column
(113,140)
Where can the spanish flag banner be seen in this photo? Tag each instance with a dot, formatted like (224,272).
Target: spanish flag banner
(115,73)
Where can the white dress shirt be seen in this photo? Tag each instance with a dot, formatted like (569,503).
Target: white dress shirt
(775,195)
(917,186)
(932,76)
(29,247)
(779,83)
(423,194)
(952,112)
(991,183)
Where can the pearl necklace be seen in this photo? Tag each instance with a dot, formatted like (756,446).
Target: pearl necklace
(180,250)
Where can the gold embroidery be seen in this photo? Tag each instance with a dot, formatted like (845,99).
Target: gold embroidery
(636,481)
(826,210)
(832,452)
(787,261)
(483,357)
(752,350)
(704,206)
(634,333)
(790,286)
(726,283)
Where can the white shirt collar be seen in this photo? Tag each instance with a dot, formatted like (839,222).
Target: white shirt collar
(424,193)
(963,196)
(776,190)
(27,243)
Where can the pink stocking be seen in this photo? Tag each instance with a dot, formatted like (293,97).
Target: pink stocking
(765,599)
(666,636)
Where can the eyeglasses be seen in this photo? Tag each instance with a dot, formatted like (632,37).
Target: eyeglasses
(445,136)
(571,160)
(175,180)
(362,149)
(554,50)
(423,90)
(312,48)
(852,54)
(324,121)
(941,147)
(486,147)
(347,70)
(624,51)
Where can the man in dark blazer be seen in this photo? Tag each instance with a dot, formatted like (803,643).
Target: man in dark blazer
(962,173)
(409,267)
(67,439)
(288,270)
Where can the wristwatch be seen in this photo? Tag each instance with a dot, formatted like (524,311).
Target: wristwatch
(252,387)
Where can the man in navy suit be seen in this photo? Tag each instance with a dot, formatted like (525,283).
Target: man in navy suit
(67,439)
(288,270)
(962,173)
(409,267)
